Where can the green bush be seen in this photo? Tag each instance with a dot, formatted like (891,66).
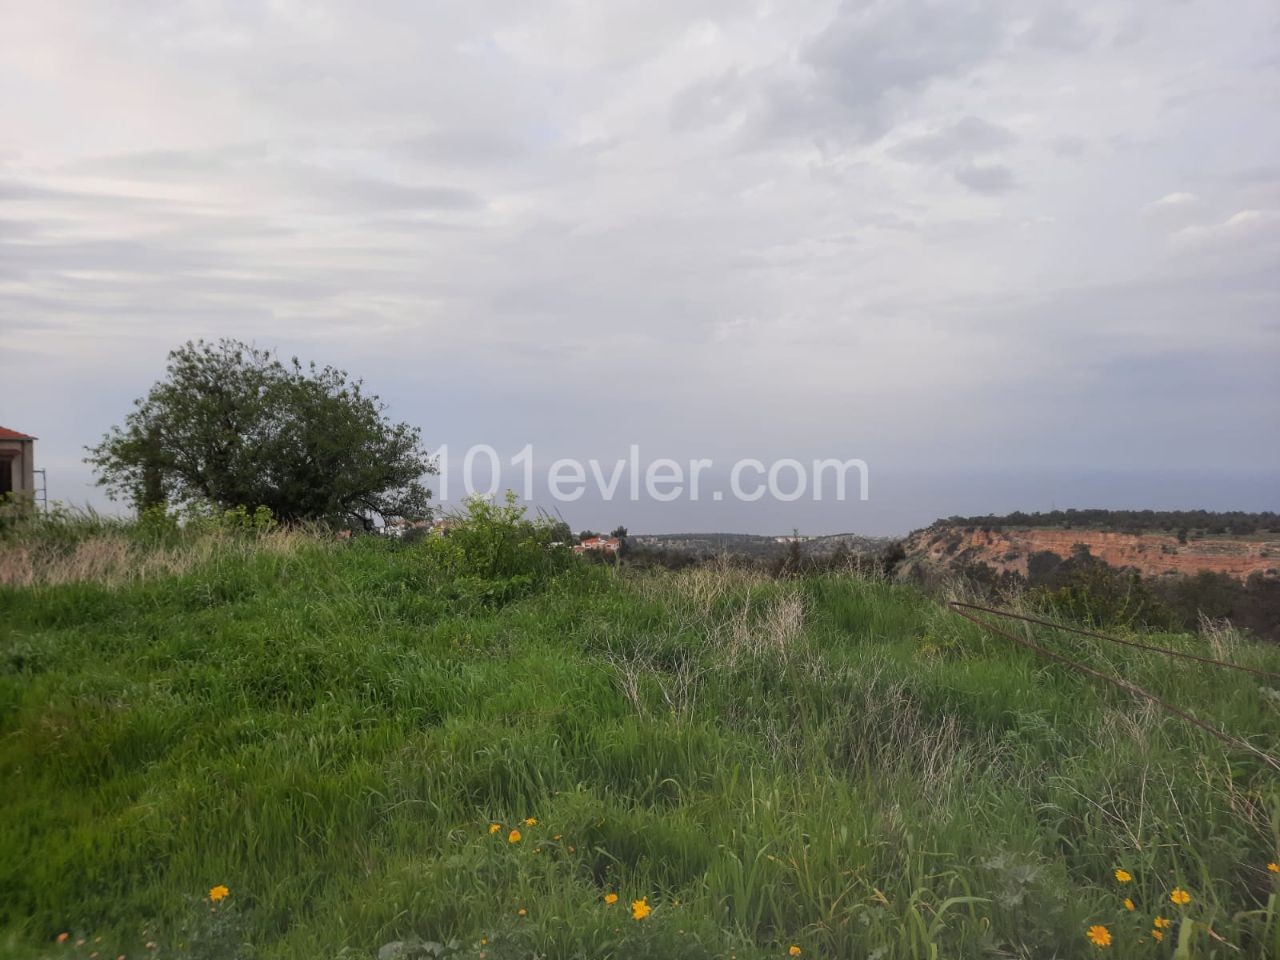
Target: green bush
(494,553)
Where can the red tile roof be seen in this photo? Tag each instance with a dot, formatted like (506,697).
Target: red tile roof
(7,434)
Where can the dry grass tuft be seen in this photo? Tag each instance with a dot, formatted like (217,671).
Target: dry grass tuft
(115,559)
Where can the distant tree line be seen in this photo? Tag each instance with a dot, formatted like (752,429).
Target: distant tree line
(1182,522)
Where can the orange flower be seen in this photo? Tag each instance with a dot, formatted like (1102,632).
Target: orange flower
(513,836)
(640,908)
(793,951)
(1274,867)
(1099,935)
(611,898)
(494,828)
(1180,897)
(62,937)
(218,893)
(1128,904)
(1157,935)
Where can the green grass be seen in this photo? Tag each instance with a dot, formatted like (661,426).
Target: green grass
(831,762)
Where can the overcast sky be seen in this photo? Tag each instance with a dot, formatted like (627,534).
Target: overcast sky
(1011,254)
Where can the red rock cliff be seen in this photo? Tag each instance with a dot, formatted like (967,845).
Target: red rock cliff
(1152,555)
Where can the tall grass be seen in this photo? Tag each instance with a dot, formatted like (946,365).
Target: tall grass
(828,762)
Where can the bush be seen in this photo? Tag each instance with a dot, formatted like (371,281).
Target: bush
(494,553)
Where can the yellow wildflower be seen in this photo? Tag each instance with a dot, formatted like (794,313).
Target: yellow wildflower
(1274,867)
(1180,897)
(494,828)
(522,912)
(1123,876)
(1162,922)
(793,951)
(611,898)
(1157,935)
(640,908)
(1099,935)
(218,893)
(1128,904)
(530,821)
(513,836)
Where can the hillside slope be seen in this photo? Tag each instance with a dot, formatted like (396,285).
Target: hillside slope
(1010,549)
(364,748)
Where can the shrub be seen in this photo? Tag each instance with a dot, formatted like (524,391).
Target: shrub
(494,553)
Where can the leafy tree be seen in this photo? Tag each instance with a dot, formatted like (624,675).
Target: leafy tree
(233,426)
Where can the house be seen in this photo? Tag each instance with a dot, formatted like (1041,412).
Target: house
(17,464)
(607,545)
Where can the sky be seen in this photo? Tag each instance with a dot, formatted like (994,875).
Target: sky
(1012,255)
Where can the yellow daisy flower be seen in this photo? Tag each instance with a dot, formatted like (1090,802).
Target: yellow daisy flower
(1128,904)
(1274,867)
(611,898)
(218,893)
(1099,935)
(513,836)
(494,828)
(640,908)
(1157,935)
(530,821)
(1162,922)
(1180,897)
(793,951)
(1123,876)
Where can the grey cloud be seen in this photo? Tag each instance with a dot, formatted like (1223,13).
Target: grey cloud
(990,178)
(465,146)
(376,194)
(1060,27)
(966,137)
(845,81)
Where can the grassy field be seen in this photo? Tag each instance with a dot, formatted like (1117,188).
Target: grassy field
(356,741)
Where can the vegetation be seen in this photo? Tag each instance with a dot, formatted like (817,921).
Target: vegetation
(1182,522)
(1085,589)
(233,426)
(234,739)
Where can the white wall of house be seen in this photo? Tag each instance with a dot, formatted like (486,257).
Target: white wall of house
(20,457)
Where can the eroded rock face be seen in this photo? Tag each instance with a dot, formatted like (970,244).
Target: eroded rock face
(1152,555)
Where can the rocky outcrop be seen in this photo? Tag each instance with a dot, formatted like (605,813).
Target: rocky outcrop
(1010,549)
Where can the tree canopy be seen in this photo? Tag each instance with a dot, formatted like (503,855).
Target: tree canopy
(233,425)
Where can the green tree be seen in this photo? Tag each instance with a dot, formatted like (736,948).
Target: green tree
(234,426)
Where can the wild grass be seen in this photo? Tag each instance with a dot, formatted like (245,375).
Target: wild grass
(827,762)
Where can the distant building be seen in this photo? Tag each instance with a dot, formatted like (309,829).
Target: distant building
(17,463)
(602,544)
